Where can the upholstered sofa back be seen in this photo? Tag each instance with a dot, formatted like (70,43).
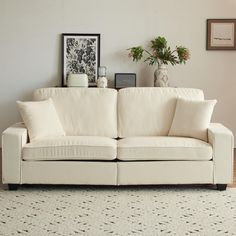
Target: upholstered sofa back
(149,111)
(94,112)
(84,111)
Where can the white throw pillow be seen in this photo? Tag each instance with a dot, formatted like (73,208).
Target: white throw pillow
(192,118)
(41,119)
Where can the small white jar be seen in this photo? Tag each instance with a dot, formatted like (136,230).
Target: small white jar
(77,80)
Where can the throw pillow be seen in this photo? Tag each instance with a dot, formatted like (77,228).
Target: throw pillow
(192,118)
(41,119)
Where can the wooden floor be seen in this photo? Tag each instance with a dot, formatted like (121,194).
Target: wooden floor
(233,185)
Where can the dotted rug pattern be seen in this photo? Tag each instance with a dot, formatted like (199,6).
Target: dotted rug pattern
(94,211)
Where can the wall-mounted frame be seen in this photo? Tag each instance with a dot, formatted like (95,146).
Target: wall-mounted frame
(81,54)
(221,34)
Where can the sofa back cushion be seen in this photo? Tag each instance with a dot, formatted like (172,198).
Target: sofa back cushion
(150,111)
(84,111)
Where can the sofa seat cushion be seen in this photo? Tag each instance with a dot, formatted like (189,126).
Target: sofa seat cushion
(71,148)
(163,148)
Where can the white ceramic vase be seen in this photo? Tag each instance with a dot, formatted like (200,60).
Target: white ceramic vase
(161,76)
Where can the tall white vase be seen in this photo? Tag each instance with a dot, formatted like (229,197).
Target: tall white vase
(161,76)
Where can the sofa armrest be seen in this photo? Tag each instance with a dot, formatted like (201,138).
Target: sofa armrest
(13,139)
(222,141)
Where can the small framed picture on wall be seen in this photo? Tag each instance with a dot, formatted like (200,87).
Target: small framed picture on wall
(81,54)
(221,34)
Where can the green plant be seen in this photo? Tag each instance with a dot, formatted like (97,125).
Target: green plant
(161,53)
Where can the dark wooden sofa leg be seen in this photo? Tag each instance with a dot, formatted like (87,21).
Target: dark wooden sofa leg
(13,187)
(221,187)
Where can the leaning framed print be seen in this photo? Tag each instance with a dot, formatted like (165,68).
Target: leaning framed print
(81,54)
(221,34)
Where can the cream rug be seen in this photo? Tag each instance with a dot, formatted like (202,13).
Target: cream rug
(122,211)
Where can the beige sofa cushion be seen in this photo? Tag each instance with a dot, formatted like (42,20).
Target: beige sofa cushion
(71,148)
(192,118)
(163,148)
(84,111)
(150,111)
(41,119)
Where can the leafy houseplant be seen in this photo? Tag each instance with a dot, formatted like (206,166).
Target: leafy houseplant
(161,54)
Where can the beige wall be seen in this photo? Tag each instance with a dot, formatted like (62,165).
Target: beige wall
(30,50)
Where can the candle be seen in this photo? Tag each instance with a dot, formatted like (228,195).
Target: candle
(102,71)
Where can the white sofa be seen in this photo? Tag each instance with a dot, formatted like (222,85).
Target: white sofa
(117,138)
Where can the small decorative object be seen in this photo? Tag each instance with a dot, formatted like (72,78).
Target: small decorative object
(221,34)
(124,80)
(102,71)
(81,54)
(77,80)
(102,80)
(160,54)
(161,76)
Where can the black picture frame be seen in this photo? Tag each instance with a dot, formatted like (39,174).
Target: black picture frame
(80,54)
(221,34)
(125,81)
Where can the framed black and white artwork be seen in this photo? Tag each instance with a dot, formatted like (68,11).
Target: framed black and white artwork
(81,54)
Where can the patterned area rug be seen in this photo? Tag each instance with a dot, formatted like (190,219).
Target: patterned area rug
(119,211)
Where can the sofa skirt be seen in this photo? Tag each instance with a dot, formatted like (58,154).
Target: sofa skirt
(116,173)
(69,172)
(165,172)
